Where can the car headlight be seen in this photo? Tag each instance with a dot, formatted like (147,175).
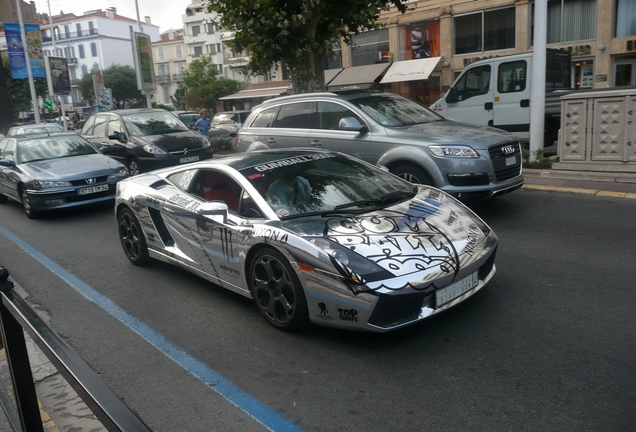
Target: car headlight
(153,149)
(119,174)
(43,184)
(454,151)
(205,143)
(356,269)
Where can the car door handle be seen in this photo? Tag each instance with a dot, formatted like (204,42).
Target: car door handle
(316,143)
(524,103)
(488,106)
(271,140)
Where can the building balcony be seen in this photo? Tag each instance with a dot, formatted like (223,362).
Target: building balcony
(177,77)
(162,78)
(70,35)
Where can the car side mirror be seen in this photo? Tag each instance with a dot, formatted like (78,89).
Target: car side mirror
(119,136)
(452,96)
(352,124)
(214,209)
(6,162)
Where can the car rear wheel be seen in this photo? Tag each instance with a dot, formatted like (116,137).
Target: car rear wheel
(26,204)
(277,291)
(132,238)
(413,174)
(133,167)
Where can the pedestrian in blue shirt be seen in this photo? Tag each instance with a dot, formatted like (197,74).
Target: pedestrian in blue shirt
(203,124)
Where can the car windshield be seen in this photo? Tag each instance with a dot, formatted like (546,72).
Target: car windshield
(322,183)
(397,111)
(153,123)
(53,148)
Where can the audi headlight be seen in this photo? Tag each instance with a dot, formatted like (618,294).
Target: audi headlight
(43,184)
(119,174)
(153,149)
(356,269)
(454,151)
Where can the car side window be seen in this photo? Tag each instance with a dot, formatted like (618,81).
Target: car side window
(264,118)
(294,115)
(213,185)
(88,126)
(511,77)
(474,82)
(114,125)
(8,149)
(3,145)
(100,126)
(330,114)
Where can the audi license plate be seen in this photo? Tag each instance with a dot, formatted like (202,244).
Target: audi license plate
(511,160)
(451,292)
(189,159)
(92,189)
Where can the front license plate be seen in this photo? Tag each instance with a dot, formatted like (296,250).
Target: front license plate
(453,291)
(511,160)
(92,189)
(189,159)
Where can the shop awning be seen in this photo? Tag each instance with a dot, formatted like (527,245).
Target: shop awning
(330,74)
(357,77)
(256,93)
(410,70)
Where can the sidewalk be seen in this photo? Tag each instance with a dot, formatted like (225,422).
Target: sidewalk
(613,184)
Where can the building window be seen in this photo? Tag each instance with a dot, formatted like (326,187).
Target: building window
(94,49)
(420,40)
(78,27)
(571,20)
(210,28)
(180,66)
(91,28)
(84,69)
(367,48)
(81,51)
(166,94)
(219,67)
(626,18)
(196,30)
(198,51)
(161,53)
(67,52)
(484,31)
(67,32)
(179,51)
(212,49)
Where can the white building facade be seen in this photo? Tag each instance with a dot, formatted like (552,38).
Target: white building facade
(169,55)
(93,41)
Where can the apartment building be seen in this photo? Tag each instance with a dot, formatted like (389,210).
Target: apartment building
(169,54)
(93,41)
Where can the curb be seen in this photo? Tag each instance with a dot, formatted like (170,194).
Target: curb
(598,176)
(595,192)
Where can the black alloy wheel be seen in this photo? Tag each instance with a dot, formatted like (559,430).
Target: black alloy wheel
(132,238)
(413,174)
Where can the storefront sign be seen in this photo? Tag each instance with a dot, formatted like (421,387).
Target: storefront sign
(579,50)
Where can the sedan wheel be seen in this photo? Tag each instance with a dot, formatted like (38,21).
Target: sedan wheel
(277,291)
(132,238)
(133,167)
(26,203)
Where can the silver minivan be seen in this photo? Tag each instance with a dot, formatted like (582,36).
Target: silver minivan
(413,142)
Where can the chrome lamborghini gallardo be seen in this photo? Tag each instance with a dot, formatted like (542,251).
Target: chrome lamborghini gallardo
(311,236)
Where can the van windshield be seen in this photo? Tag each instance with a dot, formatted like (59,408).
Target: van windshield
(395,111)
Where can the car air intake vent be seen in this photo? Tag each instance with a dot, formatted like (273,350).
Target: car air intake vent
(159,184)
(396,309)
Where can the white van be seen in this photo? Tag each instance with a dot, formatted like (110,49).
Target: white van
(496,92)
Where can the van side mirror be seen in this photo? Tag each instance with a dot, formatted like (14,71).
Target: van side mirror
(352,124)
(452,96)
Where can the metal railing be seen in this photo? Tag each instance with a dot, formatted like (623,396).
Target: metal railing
(15,316)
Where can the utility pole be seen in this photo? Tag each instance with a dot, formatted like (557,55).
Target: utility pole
(6,108)
(27,58)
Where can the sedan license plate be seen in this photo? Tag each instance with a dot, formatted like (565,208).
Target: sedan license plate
(92,189)
(453,291)
(189,159)
(511,160)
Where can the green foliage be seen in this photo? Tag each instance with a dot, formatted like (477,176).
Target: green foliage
(203,85)
(178,97)
(121,79)
(222,143)
(539,161)
(20,92)
(166,107)
(301,33)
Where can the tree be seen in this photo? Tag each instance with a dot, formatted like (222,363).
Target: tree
(203,85)
(300,33)
(121,79)
(19,92)
(178,96)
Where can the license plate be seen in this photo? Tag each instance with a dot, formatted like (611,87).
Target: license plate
(453,291)
(189,159)
(511,160)
(92,189)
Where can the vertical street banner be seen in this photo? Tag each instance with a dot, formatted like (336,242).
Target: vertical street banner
(142,50)
(15,49)
(98,88)
(58,70)
(107,101)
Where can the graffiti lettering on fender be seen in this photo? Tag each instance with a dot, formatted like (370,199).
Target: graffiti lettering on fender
(471,239)
(226,243)
(271,234)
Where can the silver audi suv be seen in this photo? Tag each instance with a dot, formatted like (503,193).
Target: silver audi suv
(413,142)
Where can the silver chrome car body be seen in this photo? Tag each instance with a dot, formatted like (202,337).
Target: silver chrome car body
(466,161)
(417,247)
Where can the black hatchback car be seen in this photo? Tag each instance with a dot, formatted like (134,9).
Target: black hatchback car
(145,139)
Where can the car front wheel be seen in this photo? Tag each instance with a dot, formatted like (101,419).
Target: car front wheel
(133,167)
(277,291)
(26,204)
(413,174)
(132,238)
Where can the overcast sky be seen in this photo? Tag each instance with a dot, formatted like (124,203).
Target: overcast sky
(164,13)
